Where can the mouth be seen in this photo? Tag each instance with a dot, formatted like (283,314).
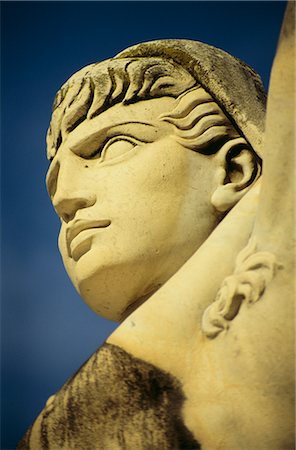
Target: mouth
(83,229)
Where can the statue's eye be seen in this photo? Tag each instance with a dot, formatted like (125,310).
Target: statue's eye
(115,147)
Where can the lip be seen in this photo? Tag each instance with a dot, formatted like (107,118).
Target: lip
(81,225)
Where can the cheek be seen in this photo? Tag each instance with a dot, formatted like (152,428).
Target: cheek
(155,196)
(148,204)
(155,179)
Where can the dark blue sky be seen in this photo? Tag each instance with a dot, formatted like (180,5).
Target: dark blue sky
(48,332)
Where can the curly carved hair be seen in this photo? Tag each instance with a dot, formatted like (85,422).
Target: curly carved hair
(200,123)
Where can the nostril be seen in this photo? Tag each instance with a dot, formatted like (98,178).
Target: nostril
(80,204)
(66,217)
(72,210)
(67,205)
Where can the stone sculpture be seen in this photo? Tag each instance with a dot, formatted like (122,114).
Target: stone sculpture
(167,227)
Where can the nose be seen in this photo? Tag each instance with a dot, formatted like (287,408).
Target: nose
(67,203)
(66,189)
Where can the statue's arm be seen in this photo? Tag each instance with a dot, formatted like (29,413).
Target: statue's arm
(265,269)
(275,222)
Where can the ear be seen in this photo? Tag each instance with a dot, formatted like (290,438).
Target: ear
(238,168)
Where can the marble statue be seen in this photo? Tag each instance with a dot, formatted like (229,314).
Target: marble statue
(169,227)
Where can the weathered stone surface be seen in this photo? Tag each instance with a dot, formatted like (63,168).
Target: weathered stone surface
(169,227)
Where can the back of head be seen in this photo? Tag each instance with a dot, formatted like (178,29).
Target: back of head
(235,86)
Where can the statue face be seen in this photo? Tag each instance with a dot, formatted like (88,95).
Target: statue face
(134,204)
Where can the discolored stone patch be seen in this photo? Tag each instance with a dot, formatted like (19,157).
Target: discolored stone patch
(115,401)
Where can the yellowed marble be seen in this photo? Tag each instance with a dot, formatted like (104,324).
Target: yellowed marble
(169,228)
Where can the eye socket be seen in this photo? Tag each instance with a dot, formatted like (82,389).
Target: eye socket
(115,147)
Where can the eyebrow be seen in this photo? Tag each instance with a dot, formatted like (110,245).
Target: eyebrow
(53,168)
(100,135)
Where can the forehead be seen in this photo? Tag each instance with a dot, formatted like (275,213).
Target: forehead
(99,86)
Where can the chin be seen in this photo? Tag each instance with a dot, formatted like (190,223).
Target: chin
(111,306)
(114,291)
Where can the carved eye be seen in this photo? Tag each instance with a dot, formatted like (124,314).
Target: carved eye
(114,147)
(117,146)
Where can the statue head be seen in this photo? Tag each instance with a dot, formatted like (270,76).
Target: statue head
(149,150)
